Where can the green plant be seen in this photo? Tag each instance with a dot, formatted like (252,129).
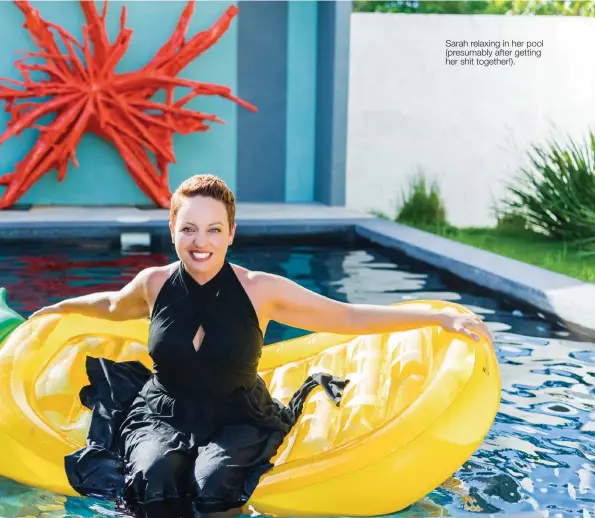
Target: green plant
(511,221)
(557,194)
(379,214)
(422,204)
(496,7)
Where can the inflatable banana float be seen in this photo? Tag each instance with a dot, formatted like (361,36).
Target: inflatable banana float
(417,406)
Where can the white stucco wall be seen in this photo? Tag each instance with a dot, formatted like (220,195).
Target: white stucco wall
(467,127)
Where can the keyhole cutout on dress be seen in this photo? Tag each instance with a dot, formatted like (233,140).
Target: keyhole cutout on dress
(198,338)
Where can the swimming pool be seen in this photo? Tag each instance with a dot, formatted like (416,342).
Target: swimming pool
(538,459)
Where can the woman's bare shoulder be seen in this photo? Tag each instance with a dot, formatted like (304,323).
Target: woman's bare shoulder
(259,285)
(155,277)
(250,278)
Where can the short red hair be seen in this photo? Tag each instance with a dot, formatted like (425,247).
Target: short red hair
(207,185)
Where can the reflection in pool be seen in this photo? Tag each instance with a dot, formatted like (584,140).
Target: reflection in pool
(538,459)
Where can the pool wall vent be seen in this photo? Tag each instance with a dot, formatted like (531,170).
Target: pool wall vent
(135,240)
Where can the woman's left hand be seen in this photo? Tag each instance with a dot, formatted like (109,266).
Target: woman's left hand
(467,324)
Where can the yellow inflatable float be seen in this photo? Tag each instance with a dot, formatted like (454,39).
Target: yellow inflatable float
(417,406)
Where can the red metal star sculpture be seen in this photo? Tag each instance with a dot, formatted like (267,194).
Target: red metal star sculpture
(87,95)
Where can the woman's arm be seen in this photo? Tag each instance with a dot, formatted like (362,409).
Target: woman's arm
(293,305)
(127,304)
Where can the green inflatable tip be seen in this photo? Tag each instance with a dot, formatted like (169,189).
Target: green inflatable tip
(9,319)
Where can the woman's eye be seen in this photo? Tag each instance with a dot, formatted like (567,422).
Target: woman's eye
(190,229)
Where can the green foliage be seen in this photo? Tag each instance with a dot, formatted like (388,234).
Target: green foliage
(379,214)
(557,193)
(512,221)
(430,7)
(518,7)
(422,204)
(550,7)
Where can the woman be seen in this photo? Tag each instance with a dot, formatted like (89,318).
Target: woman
(195,435)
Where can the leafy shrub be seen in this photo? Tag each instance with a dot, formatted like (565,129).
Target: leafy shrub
(498,7)
(422,204)
(557,194)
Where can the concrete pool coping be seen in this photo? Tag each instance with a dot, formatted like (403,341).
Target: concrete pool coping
(570,300)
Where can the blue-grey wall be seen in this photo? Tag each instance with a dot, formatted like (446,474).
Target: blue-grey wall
(288,58)
(262,69)
(331,101)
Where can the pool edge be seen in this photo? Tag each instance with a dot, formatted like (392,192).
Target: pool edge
(570,300)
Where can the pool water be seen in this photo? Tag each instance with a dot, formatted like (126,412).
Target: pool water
(537,460)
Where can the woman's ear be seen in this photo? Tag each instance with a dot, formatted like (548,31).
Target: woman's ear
(232,234)
(171,230)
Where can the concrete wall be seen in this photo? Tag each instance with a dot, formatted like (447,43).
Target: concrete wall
(271,56)
(467,127)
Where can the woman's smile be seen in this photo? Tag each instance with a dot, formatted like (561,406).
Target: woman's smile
(200,257)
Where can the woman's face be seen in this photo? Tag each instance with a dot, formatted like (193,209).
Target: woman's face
(201,234)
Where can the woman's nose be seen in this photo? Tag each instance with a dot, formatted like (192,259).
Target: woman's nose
(200,238)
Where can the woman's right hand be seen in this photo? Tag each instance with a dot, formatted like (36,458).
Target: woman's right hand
(54,308)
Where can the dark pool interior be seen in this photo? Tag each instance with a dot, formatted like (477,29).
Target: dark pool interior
(537,460)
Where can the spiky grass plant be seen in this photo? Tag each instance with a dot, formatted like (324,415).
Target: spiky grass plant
(422,204)
(556,195)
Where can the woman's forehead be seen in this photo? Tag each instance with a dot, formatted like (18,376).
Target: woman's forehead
(202,209)
(198,205)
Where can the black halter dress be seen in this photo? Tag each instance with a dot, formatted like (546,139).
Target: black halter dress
(197,433)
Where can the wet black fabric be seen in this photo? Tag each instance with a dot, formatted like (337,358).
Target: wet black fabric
(197,433)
